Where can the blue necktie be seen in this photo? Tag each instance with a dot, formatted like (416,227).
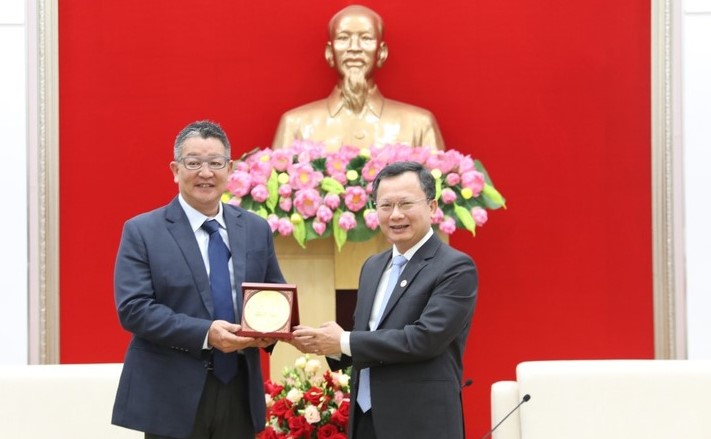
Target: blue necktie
(364,386)
(224,365)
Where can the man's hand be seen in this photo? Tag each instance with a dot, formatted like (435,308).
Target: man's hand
(223,336)
(325,340)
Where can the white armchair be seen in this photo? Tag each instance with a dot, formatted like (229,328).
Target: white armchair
(60,402)
(595,399)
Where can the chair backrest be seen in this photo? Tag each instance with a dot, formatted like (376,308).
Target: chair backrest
(60,401)
(607,399)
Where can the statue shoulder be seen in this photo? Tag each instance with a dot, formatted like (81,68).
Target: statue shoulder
(308,111)
(295,123)
(408,110)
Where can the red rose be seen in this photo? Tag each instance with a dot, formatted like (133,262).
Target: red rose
(272,389)
(280,408)
(340,416)
(298,427)
(270,433)
(328,431)
(313,395)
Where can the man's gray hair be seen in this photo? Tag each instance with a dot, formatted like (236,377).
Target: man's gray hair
(204,129)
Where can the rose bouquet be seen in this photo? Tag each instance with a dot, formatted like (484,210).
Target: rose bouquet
(307,404)
(308,193)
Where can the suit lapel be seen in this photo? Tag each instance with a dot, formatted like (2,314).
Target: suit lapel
(238,239)
(419,261)
(179,228)
(369,287)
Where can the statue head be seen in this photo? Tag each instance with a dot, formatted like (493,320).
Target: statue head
(355,48)
(356,41)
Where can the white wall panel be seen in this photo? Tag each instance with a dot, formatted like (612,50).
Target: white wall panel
(696,98)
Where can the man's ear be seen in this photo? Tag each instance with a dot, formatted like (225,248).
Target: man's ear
(174,170)
(330,59)
(382,54)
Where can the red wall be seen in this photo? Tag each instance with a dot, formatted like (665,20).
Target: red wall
(554,98)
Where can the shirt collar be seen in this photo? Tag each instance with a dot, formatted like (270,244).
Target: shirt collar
(411,252)
(196,218)
(374,102)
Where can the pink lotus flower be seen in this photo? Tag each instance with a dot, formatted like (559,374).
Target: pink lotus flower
(336,164)
(355,198)
(273,221)
(347,221)
(480,215)
(303,176)
(259,193)
(307,202)
(332,201)
(448,196)
(452,179)
(473,180)
(260,171)
(285,203)
(281,159)
(438,216)
(239,183)
(324,214)
(285,228)
(240,166)
(371,169)
(284,190)
(448,225)
(371,219)
(466,165)
(318,226)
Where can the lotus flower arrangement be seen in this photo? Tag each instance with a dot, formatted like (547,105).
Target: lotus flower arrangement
(308,193)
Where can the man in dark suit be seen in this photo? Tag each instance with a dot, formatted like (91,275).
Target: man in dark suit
(406,347)
(167,278)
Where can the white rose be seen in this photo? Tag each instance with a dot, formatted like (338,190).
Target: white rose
(317,380)
(343,379)
(311,414)
(294,395)
(312,366)
(300,363)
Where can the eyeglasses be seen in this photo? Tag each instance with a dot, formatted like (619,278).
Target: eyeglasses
(195,163)
(387,206)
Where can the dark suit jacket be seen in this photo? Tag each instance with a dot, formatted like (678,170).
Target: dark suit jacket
(163,298)
(415,354)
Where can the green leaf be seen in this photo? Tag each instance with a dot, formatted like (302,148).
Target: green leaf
(311,233)
(466,218)
(300,233)
(357,163)
(332,186)
(261,211)
(273,188)
(492,197)
(339,235)
(438,188)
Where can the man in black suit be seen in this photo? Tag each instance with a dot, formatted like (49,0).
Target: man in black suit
(187,374)
(406,349)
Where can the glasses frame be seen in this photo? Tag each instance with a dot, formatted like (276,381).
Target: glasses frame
(402,205)
(203,160)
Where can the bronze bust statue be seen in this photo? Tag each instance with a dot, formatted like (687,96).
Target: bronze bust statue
(356,113)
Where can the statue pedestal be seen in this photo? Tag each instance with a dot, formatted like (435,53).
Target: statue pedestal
(318,271)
